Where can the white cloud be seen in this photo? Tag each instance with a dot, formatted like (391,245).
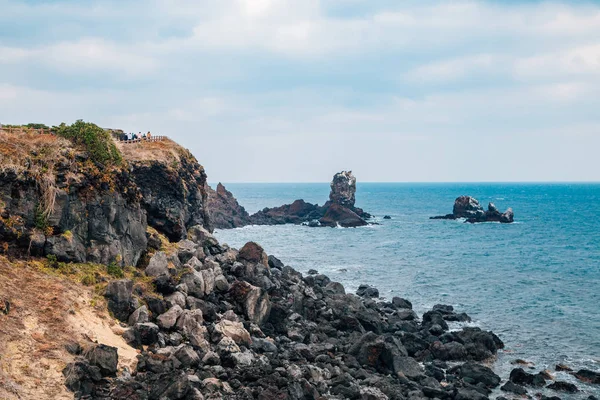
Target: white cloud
(83,56)
(386,86)
(573,61)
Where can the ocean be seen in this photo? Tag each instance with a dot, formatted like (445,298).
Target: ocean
(535,283)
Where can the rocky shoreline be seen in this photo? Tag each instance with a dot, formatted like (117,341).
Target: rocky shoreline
(213,322)
(229,324)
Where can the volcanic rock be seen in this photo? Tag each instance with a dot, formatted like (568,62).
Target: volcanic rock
(469,208)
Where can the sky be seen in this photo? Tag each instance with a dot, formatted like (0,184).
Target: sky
(296,90)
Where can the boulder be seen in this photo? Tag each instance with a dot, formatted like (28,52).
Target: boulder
(344,217)
(275,262)
(146,333)
(234,331)
(401,303)
(187,356)
(168,319)
(514,388)
(253,253)
(139,316)
(476,373)
(158,265)
(367,291)
(588,376)
(120,300)
(561,386)
(520,377)
(103,357)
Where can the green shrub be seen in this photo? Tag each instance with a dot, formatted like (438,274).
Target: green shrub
(52,260)
(88,279)
(37,126)
(96,141)
(41,219)
(114,270)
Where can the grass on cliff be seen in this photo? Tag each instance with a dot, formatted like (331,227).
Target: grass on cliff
(97,142)
(167,152)
(29,154)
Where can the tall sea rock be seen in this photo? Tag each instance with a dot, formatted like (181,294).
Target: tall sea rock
(225,211)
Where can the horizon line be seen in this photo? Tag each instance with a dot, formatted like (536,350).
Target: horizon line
(407,182)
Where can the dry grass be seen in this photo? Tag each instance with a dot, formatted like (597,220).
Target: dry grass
(19,149)
(166,151)
(47,312)
(35,155)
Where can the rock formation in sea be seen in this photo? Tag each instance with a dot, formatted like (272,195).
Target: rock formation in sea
(225,211)
(340,210)
(469,208)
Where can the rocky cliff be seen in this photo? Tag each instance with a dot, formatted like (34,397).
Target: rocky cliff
(225,211)
(56,199)
(172,184)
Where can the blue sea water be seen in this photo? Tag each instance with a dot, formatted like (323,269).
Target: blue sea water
(536,283)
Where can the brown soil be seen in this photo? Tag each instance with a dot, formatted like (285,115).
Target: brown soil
(47,312)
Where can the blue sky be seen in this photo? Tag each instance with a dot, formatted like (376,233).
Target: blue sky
(295,90)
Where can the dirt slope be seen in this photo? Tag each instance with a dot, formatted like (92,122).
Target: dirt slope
(46,312)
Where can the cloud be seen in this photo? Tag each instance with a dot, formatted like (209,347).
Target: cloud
(87,55)
(284,90)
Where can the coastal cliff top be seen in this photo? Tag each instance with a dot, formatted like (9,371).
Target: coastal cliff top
(166,151)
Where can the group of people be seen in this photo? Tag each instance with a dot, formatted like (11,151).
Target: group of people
(135,136)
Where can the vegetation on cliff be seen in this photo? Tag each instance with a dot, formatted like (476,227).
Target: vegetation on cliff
(96,141)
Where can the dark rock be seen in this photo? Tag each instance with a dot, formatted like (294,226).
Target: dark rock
(225,211)
(562,367)
(338,211)
(401,303)
(120,301)
(519,376)
(81,378)
(387,217)
(367,291)
(514,388)
(276,263)
(588,376)
(431,318)
(146,333)
(561,386)
(344,217)
(174,199)
(254,253)
(103,357)
(469,208)
(477,373)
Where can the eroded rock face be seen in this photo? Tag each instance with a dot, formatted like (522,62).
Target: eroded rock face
(87,223)
(469,208)
(225,211)
(174,198)
(343,189)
